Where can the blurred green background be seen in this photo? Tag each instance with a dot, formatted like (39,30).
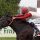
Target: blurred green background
(9,6)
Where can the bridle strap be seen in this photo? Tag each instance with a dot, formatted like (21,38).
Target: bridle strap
(11,21)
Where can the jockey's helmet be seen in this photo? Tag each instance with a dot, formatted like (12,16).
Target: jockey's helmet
(24,10)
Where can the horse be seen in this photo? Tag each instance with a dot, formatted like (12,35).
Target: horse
(23,29)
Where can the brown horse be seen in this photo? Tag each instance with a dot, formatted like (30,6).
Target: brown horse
(23,29)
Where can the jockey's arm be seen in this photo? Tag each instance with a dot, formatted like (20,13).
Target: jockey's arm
(18,15)
(24,16)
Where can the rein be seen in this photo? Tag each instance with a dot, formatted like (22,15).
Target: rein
(11,21)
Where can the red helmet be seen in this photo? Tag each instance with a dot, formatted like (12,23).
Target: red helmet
(24,10)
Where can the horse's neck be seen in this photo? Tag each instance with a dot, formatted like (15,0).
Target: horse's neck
(18,25)
(7,20)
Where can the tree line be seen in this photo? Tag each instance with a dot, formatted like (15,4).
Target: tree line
(9,6)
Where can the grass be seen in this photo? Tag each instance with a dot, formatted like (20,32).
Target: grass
(7,38)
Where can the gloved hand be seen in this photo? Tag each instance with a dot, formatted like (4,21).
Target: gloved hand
(13,17)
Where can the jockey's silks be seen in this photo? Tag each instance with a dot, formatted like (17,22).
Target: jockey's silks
(23,17)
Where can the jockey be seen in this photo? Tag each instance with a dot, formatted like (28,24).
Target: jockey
(25,15)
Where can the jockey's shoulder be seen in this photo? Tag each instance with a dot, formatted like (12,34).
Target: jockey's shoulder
(28,15)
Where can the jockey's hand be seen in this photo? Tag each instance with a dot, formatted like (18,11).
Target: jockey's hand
(14,17)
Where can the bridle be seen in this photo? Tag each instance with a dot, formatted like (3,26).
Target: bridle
(11,21)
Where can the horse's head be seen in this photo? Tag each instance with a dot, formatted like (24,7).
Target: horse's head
(5,20)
